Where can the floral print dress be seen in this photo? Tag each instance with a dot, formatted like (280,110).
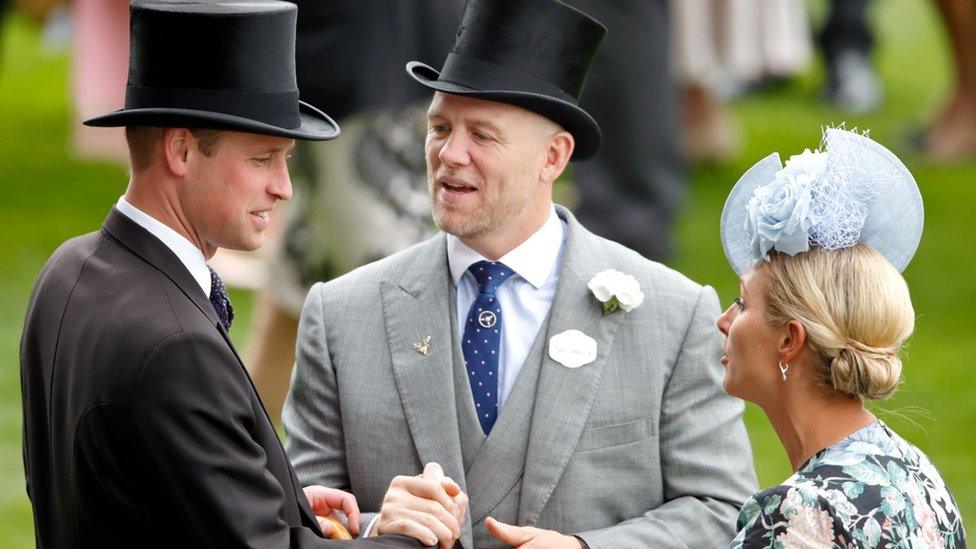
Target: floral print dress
(872,489)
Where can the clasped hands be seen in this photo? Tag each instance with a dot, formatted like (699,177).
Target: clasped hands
(431,507)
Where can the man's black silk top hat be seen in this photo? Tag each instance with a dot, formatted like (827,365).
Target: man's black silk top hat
(531,53)
(221,65)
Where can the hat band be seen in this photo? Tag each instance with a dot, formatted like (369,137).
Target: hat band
(484,76)
(276,109)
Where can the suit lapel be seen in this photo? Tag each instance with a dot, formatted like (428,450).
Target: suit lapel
(564,396)
(141,242)
(416,306)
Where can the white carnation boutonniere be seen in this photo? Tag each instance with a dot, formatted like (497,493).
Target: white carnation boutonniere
(616,290)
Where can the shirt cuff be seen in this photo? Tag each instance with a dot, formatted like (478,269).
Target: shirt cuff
(369,528)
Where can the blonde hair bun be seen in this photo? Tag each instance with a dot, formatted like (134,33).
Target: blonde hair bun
(867,372)
(856,309)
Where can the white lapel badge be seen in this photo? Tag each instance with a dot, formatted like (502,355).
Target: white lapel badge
(423,347)
(572,348)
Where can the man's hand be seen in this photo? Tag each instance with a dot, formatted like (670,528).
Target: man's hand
(434,472)
(326,501)
(530,538)
(429,507)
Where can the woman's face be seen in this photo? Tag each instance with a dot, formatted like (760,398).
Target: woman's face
(751,344)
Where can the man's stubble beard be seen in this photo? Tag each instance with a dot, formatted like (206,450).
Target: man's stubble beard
(483,220)
(462,227)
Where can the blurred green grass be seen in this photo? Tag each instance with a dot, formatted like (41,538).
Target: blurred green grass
(46,196)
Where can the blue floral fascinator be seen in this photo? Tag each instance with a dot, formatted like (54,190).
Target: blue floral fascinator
(849,190)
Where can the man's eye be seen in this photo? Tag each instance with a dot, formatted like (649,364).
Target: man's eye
(739,304)
(438,128)
(261,160)
(482,137)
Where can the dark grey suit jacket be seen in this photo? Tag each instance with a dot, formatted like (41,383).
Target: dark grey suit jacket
(141,426)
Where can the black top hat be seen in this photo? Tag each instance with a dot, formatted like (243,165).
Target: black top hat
(216,65)
(531,53)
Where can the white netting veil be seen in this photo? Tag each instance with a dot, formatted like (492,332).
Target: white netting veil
(862,193)
(838,208)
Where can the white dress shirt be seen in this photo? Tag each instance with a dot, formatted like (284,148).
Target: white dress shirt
(190,255)
(525,297)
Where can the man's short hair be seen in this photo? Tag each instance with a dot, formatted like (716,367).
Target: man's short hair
(143,141)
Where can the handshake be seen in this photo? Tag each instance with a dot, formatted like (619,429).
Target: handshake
(429,507)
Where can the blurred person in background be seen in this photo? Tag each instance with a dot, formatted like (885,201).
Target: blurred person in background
(709,132)
(765,42)
(49,14)
(725,48)
(96,33)
(821,320)
(951,135)
(630,191)
(846,41)
(99,66)
(365,196)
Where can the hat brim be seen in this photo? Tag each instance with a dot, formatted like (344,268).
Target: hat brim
(895,217)
(586,132)
(735,239)
(315,124)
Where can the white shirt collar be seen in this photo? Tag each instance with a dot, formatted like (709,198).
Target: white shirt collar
(534,260)
(189,255)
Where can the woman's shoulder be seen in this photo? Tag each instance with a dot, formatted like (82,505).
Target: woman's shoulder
(795,513)
(871,489)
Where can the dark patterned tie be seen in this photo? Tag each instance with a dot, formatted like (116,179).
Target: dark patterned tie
(482,340)
(220,300)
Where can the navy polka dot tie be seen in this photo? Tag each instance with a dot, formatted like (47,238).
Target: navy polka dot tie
(220,300)
(482,340)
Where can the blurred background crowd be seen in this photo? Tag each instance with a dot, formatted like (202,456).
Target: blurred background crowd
(689,93)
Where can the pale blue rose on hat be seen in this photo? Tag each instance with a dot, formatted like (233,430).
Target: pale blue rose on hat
(850,190)
(779,214)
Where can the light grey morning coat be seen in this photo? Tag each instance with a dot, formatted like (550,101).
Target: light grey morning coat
(640,448)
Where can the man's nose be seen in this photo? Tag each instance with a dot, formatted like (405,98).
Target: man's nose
(454,150)
(281,187)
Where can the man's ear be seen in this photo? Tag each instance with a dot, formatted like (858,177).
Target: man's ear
(791,342)
(176,149)
(558,153)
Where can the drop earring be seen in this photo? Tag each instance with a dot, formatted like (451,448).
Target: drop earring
(782,370)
